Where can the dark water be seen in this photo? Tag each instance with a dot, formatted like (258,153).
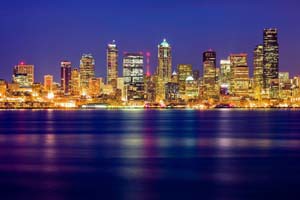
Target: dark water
(151,154)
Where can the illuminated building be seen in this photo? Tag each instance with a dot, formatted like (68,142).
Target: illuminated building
(87,71)
(285,85)
(133,74)
(120,86)
(172,92)
(48,83)
(150,88)
(26,70)
(174,77)
(191,88)
(94,87)
(37,89)
(75,82)
(164,69)
(258,71)
(239,65)
(107,89)
(3,88)
(225,78)
(209,74)
(112,64)
(184,71)
(271,61)
(21,79)
(65,76)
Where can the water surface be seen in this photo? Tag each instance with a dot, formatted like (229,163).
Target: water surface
(149,154)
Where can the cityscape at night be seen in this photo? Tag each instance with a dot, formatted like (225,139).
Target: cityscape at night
(149,100)
(221,83)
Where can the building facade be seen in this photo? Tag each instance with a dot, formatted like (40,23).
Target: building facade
(65,76)
(271,62)
(25,71)
(258,66)
(87,71)
(133,74)
(164,69)
(209,74)
(112,64)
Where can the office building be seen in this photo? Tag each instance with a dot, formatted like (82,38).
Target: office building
(112,64)
(87,71)
(164,69)
(65,76)
(133,74)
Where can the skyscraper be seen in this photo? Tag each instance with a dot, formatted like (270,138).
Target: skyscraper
(164,69)
(258,66)
(270,56)
(240,79)
(112,64)
(87,71)
(225,76)
(75,82)
(209,74)
(65,76)
(133,73)
(26,71)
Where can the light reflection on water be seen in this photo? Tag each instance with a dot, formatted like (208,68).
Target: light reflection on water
(148,154)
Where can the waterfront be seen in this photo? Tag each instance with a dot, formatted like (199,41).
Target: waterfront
(149,154)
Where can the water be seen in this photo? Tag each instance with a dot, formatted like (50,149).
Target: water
(149,154)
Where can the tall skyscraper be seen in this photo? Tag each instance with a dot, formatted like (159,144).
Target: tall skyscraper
(270,56)
(87,71)
(164,69)
(112,64)
(133,74)
(225,76)
(209,74)
(258,66)
(26,71)
(65,76)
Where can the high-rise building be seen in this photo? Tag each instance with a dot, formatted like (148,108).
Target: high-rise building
(184,71)
(164,69)
(112,64)
(240,79)
(75,82)
(133,74)
(258,66)
(87,71)
(209,74)
(48,83)
(65,76)
(270,56)
(24,70)
(225,78)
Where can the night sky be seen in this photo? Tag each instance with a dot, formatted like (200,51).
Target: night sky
(44,32)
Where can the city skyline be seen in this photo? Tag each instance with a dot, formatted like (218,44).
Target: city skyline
(189,35)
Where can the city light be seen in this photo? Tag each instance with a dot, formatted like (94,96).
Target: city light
(224,84)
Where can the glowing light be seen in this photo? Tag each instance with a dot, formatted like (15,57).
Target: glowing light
(50,95)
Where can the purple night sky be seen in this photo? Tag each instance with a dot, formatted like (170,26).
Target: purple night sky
(45,32)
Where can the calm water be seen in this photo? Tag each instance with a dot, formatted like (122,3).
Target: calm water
(149,154)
